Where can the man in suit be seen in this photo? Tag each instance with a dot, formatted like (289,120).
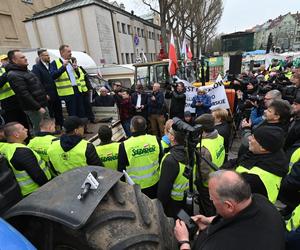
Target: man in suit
(139,101)
(41,70)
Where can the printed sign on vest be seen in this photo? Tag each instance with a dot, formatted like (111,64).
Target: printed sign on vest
(216,91)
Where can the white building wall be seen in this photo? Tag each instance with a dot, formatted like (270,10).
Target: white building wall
(69,24)
(92,33)
(32,35)
(48,32)
(106,35)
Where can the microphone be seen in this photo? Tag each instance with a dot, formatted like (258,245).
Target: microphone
(89,183)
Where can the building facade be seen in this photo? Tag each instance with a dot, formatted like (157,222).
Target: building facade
(284,31)
(13,34)
(108,33)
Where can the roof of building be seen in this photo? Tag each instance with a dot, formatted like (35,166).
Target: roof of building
(236,34)
(75,4)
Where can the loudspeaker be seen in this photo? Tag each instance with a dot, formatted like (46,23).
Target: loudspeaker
(235,64)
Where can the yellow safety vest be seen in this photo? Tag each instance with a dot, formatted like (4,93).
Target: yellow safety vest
(64,161)
(26,184)
(41,144)
(294,158)
(81,81)
(276,67)
(288,74)
(216,149)
(143,157)
(6,91)
(271,181)
(63,83)
(108,155)
(181,183)
(294,222)
(164,144)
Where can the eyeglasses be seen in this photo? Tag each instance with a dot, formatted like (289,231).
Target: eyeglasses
(117,85)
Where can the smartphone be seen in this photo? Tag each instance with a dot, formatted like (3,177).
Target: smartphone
(190,223)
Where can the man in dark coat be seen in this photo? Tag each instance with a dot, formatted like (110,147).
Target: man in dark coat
(27,87)
(41,70)
(177,101)
(243,221)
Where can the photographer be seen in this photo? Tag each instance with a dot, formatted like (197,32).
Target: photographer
(173,184)
(242,221)
(178,98)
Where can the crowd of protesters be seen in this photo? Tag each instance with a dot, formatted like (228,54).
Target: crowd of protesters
(234,195)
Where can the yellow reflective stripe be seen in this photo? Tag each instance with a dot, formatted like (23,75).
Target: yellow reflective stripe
(64,87)
(133,169)
(180,186)
(141,177)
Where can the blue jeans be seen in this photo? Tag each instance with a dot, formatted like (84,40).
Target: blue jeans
(126,126)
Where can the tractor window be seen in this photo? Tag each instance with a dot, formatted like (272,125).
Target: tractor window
(142,75)
(162,75)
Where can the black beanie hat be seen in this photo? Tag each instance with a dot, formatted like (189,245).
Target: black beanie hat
(269,137)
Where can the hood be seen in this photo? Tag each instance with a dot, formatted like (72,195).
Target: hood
(12,66)
(67,142)
(179,153)
(276,162)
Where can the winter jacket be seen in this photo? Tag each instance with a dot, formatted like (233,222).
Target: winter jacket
(169,172)
(259,226)
(177,104)
(27,87)
(206,104)
(156,106)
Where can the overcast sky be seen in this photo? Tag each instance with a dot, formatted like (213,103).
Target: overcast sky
(238,14)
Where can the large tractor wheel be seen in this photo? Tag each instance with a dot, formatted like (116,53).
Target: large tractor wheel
(124,219)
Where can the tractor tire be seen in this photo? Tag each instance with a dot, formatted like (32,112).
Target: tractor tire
(124,219)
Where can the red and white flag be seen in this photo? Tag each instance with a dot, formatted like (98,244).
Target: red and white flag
(189,53)
(173,64)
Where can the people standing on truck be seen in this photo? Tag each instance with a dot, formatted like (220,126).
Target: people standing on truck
(67,81)
(29,90)
(172,183)
(107,150)
(140,156)
(72,151)
(117,91)
(86,89)
(178,98)
(201,102)
(10,105)
(156,110)
(42,70)
(139,101)
(30,170)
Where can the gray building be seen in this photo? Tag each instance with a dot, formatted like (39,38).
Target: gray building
(105,31)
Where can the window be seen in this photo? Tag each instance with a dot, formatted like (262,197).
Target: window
(134,30)
(122,58)
(143,35)
(138,32)
(297,39)
(158,37)
(152,35)
(149,35)
(124,28)
(127,58)
(129,29)
(8,30)
(119,27)
(298,33)
(132,58)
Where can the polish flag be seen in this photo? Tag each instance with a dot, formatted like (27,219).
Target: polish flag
(189,53)
(173,64)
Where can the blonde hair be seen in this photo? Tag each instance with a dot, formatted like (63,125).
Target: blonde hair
(168,125)
(220,114)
